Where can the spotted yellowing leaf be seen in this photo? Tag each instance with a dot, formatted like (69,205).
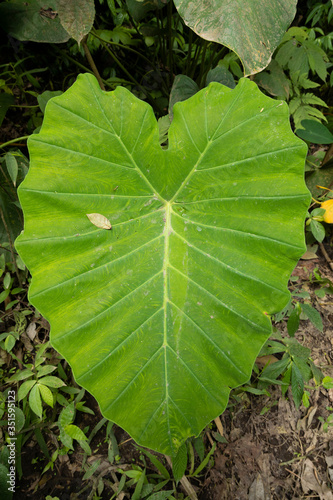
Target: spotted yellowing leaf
(328,207)
(99,221)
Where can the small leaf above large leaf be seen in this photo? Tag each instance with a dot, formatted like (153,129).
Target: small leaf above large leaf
(33,21)
(77,17)
(253,29)
(162,315)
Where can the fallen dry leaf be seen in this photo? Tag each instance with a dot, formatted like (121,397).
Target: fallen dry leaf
(310,483)
(99,221)
(257,490)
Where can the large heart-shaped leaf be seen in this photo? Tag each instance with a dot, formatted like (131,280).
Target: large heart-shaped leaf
(33,20)
(252,28)
(161,314)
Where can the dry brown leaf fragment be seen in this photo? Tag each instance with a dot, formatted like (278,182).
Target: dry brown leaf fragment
(99,220)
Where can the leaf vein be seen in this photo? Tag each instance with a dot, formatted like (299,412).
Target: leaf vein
(92,271)
(133,380)
(194,376)
(121,343)
(251,235)
(223,354)
(247,320)
(107,309)
(232,269)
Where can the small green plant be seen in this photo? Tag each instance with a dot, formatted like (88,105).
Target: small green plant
(294,367)
(288,76)
(38,386)
(328,422)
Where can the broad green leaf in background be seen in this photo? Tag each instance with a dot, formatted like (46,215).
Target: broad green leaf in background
(45,96)
(162,314)
(183,87)
(33,20)
(77,17)
(251,28)
(138,9)
(274,80)
(315,132)
(6,100)
(222,75)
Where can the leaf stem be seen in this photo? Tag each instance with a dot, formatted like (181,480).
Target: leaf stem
(91,61)
(13,141)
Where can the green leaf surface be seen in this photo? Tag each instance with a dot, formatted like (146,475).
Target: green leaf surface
(9,343)
(75,432)
(6,100)
(162,314)
(297,385)
(313,315)
(222,75)
(65,439)
(33,20)
(205,461)
(51,381)
(253,29)
(12,167)
(179,463)
(25,388)
(317,230)
(67,415)
(77,17)
(315,132)
(46,394)
(293,321)
(274,80)
(44,97)
(139,9)
(19,419)
(183,87)
(161,495)
(35,401)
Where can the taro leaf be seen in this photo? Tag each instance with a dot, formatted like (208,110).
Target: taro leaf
(34,20)
(253,29)
(162,314)
(77,17)
(45,96)
(183,87)
(138,9)
(274,80)
(221,75)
